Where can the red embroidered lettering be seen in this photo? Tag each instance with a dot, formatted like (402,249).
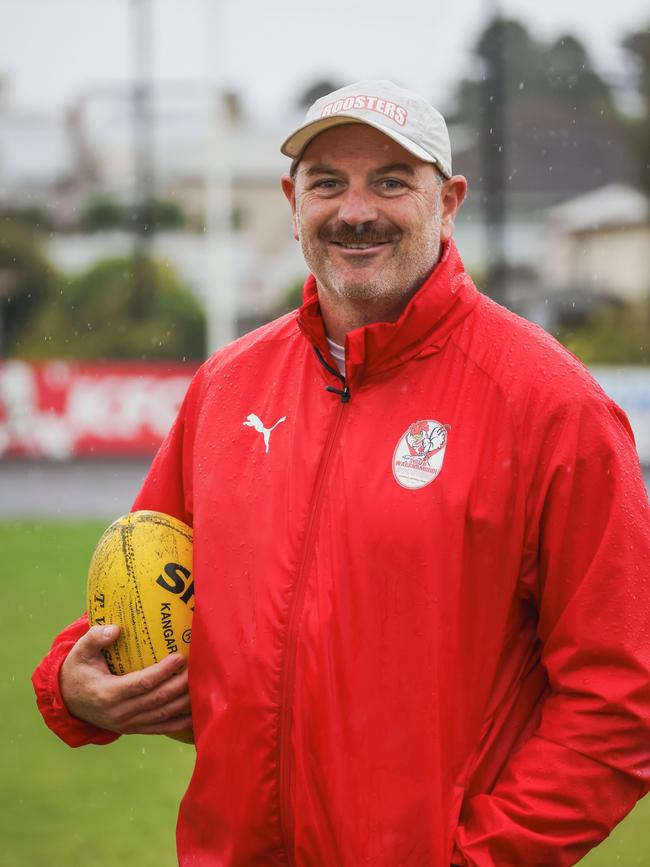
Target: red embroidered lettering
(368,103)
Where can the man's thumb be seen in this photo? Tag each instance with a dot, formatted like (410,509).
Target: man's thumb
(99,637)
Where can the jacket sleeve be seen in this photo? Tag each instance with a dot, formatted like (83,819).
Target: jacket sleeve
(168,485)
(72,731)
(588,761)
(162,490)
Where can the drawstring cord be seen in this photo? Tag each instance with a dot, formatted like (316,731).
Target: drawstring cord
(343,393)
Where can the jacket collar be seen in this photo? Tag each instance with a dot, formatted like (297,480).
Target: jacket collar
(436,309)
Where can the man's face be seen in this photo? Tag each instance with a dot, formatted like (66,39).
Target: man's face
(369,215)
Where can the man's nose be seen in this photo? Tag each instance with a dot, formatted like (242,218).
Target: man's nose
(357,207)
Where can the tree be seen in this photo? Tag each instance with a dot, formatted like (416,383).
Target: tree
(166,214)
(292,297)
(315,91)
(638,47)
(614,334)
(102,212)
(562,132)
(93,317)
(571,78)
(558,72)
(28,281)
(36,218)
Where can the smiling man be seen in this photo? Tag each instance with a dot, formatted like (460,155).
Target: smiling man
(370,217)
(422,552)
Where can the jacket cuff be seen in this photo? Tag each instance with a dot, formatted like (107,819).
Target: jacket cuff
(57,718)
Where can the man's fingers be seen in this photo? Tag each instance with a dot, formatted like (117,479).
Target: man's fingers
(139,683)
(152,697)
(178,724)
(172,709)
(168,691)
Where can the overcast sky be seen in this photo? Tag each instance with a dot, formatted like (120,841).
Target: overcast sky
(270,50)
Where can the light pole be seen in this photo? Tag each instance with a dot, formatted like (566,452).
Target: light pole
(221,301)
(143,152)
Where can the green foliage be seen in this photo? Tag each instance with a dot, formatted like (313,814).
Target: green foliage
(27,279)
(102,212)
(163,214)
(118,309)
(615,334)
(34,217)
(292,297)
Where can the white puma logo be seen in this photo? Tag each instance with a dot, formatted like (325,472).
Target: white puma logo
(253,421)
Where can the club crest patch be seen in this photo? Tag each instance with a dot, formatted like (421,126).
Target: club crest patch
(418,456)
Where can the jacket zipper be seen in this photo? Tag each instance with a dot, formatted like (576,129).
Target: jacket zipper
(293,626)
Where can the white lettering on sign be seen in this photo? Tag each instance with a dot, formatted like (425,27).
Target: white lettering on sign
(60,410)
(118,408)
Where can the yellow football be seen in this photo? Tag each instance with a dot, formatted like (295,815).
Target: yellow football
(140,577)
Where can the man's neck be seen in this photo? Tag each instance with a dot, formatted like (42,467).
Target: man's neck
(342,315)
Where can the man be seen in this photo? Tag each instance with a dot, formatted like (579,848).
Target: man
(422,550)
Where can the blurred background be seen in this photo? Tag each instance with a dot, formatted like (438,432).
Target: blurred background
(142,226)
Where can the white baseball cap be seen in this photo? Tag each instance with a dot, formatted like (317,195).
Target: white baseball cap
(400,114)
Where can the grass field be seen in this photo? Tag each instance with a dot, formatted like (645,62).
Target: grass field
(116,805)
(93,807)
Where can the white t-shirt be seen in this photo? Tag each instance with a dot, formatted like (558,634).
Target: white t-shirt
(338,354)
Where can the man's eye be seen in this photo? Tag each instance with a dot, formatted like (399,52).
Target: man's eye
(391,185)
(326,184)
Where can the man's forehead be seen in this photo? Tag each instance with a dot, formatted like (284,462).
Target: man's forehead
(314,169)
(356,143)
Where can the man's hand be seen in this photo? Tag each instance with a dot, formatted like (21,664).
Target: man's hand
(152,701)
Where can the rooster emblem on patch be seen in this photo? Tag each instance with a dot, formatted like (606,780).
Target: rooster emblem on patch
(424,440)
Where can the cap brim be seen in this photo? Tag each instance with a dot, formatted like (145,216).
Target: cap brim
(295,145)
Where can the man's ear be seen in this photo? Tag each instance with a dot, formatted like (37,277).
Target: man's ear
(452,193)
(289,189)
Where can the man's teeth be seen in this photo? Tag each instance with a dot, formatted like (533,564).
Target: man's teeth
(360,246)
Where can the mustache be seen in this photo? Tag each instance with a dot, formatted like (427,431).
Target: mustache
(362,233)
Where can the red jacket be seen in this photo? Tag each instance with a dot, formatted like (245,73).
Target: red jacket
(421,629)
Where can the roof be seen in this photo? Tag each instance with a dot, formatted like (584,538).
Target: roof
(611,206)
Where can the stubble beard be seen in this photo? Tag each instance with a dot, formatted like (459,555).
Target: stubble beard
(397,281)
(393,285)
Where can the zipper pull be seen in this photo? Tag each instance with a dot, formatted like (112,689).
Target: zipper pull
(343,392)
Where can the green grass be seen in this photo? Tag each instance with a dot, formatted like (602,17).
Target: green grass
(629,843)
(92,807)
(115,805)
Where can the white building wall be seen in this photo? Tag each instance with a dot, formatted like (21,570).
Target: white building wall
(612,261)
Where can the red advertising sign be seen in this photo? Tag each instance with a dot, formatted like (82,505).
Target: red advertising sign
(62,409)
